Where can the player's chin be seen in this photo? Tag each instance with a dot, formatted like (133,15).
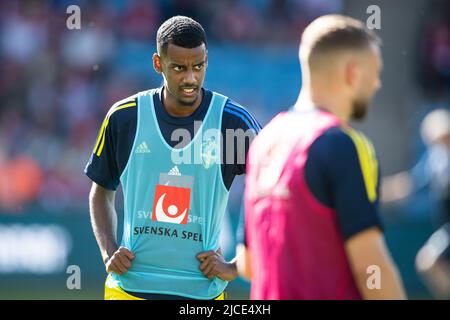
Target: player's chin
(359,111)
(188,101)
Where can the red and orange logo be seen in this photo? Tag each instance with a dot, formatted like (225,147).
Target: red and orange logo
(171,204)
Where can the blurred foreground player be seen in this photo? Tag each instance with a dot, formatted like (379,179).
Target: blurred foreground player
(312,224)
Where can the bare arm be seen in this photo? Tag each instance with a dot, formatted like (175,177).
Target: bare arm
(396,187)
(368,248)
(243,261)
(103,219)
(433,266)
(104,224)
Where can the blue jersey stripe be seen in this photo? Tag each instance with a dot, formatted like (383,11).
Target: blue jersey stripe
(242,118)
(244,112)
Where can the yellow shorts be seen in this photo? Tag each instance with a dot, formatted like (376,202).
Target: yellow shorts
(114,292)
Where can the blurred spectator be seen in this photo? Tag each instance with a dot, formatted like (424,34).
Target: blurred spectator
(432,172)
(142,21)
(237,22)
(435,52)
(20,179)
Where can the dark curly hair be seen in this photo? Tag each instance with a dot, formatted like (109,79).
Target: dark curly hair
(181,31)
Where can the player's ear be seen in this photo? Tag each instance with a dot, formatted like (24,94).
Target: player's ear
(157,63)
(206,59)
(352,73)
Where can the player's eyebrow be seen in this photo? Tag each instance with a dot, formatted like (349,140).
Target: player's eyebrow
(174,64)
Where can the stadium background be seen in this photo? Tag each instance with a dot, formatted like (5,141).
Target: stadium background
(57,84)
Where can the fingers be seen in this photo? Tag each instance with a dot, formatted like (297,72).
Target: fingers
(203,255)
(130,255)
(209,267)
(204,264)
(117,267)
(212,264)
(120,261)
(210,270)
(124,261)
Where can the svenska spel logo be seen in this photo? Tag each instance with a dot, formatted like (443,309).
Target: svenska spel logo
(171,204)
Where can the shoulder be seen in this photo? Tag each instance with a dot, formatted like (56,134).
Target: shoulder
(361,142)
(122,112)
(235,116)
(341,150)
(128,102)
(345,153)
(343,141)
(331,143)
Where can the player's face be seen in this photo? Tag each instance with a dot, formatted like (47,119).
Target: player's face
(369,83)
(184,73)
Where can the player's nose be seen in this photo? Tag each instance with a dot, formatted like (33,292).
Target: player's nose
(378,85)
(190,79)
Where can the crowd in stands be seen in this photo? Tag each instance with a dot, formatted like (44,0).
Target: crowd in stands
(57,84)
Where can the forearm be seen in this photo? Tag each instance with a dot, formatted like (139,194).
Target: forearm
(229,271)
(381,281)
(390,284)
(243,261)
(231,265)
(393,284)
(233,268)
(104,221)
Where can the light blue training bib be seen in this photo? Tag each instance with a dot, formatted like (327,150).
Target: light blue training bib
(175,201)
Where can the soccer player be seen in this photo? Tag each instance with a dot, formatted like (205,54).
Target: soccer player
(311,199)
(165,146)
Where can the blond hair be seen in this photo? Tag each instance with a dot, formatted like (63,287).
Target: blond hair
(330,33)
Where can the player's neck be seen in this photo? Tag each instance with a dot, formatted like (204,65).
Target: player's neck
(176,109)
(332,103)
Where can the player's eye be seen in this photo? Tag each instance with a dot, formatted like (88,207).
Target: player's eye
(199,67)
(178,68)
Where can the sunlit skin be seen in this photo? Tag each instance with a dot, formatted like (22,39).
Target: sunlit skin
(369,82)
(184,72)
(344,84)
